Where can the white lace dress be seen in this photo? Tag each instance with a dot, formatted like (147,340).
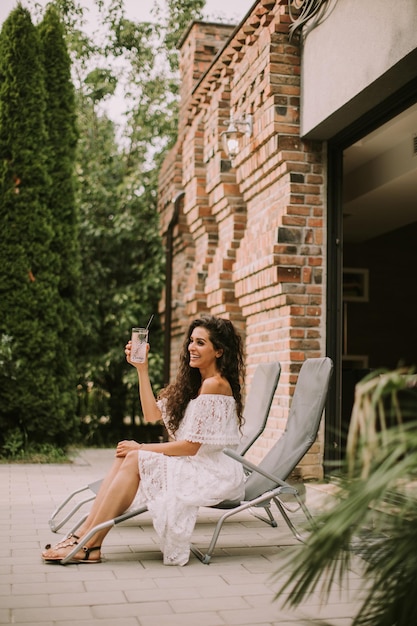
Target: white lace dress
(173,487)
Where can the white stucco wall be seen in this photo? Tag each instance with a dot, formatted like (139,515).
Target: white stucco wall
(360,52)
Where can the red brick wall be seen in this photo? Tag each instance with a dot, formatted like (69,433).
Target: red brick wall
(249,245)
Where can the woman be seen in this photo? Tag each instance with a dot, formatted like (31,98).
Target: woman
(202,412)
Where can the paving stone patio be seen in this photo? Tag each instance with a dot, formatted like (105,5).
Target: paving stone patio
(131,586)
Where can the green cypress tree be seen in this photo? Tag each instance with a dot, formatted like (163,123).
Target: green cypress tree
(62,133)
(29,286)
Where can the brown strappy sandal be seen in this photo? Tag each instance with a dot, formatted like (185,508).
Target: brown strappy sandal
(56,555)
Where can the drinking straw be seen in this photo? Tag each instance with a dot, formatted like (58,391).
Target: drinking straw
(149,321)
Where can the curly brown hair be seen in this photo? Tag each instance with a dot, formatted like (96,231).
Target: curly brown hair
(223,336)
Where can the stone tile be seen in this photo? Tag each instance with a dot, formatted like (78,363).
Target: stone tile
(28,616)
(162,595)
(253,617)
(184,581)
(132,609)
(90,598)
(206,604)
(31,588)
(244,590)
(25,601)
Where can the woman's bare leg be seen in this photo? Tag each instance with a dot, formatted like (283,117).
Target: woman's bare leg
(117,497)
(101,495)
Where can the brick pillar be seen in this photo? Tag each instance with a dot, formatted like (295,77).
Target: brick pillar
(198,47)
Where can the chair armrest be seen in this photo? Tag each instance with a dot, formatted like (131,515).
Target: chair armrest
(255,468)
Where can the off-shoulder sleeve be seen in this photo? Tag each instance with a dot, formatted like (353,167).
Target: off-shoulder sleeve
(210,419)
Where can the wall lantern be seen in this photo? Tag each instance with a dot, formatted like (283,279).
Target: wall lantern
(232,136)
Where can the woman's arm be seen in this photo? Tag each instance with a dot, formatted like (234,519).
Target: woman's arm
(169,448)
(173,448)
(151,412)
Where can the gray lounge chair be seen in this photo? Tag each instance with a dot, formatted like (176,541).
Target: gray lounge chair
(266,482)
(258,403)
(255,414)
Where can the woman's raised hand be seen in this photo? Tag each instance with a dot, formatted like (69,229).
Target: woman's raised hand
(128,352)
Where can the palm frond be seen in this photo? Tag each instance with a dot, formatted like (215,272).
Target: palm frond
(382,461)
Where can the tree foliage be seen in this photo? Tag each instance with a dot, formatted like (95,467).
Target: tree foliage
(60,118)
(30,399)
